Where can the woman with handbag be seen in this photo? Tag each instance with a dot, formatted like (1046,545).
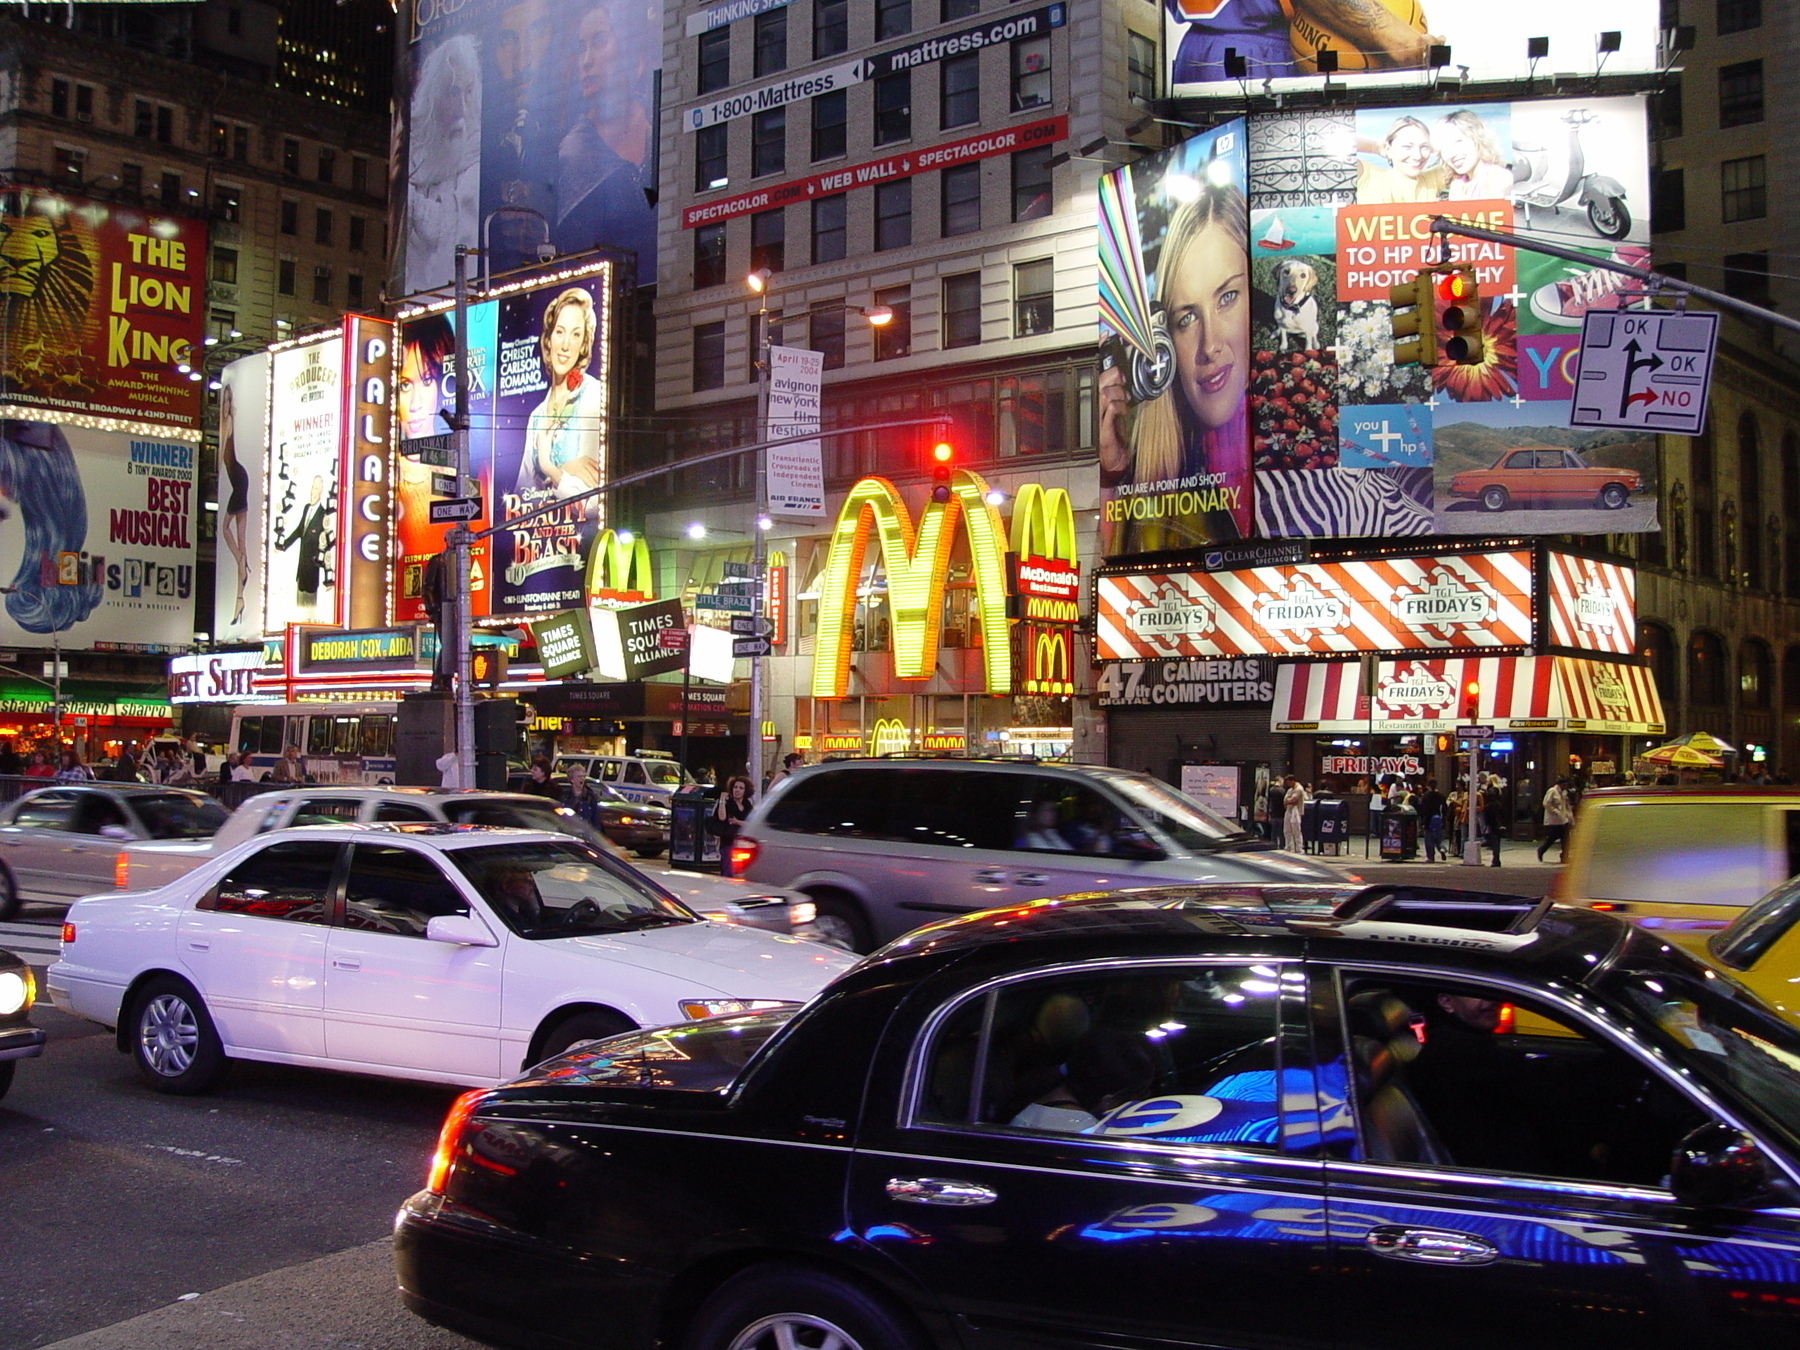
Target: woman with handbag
(728,818)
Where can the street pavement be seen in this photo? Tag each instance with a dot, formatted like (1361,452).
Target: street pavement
(1519,873)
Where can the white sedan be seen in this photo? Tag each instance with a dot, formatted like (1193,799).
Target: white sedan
(442,953)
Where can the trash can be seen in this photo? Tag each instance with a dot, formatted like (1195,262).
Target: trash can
(1399,835)
(1334,827)
(691,844)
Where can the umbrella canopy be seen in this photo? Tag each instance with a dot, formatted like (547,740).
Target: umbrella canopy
(1705,742)
(1682,757)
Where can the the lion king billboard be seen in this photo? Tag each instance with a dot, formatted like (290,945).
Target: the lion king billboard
(99,304)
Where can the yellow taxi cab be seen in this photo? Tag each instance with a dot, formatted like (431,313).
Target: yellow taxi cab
(1680,861)
(1762,949)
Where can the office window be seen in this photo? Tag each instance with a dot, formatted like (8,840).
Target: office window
(1665,110)
(831,27)
(327,165)
(228,202)
(710,148)
(84,103)
(1668,199)
(962,310)
(1034,298)
(893,18)
(359,173)
(168,189)
(768,240)
(709,356)
(234,21)
(770,41)
(1747,277)
(768,142)
(131,178)
(321,285)
(1740,93)
(165,125)
(894,338)
(68,165)
(1031,73)
(959,93)
(284,276)
(828,233)
(1031,183)
(825,334)
(958,9)
(143,119)
(60,100)
(715,59)
(321,226)
(290,217)
(829,114)
(290,156)
(1737,15)
(1743,189)
(240,143)
(893,214)
(353,288)
(709,255)
(961,195)
(225,265)
(893,107)
(359,228)
(1140,67)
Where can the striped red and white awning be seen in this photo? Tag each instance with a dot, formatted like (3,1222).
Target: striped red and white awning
(1517,693)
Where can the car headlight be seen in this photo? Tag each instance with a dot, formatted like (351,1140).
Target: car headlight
(15,991)
(802,911)
(697,1008)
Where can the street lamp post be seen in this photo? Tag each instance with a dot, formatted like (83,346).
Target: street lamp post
(461,618)
(878,315)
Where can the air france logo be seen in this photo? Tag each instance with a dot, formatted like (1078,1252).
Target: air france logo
(1301,609)
(1445,602)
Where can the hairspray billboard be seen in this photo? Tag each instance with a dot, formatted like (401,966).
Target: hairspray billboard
(543,111)
(1174,301)
(1348,444)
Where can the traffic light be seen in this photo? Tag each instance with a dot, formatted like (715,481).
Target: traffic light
(1460,295)
(1414,324)
(1471,701)
(942,457)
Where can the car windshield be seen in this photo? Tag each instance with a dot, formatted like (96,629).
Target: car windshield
(1759,928)
(1720,1032)
(179,815)
(1179,819)
(542,814)
(665,773)
(547,889)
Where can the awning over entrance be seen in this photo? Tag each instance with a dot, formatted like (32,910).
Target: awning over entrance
(86,698)
(1518,693)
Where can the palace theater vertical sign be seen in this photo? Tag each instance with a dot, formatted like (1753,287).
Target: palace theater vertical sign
(368,464)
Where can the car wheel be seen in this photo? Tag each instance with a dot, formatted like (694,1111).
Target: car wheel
(1494,499)
(1613,496)
(173,1040)
(582,1026)
(9,896)
(792,1308)
(840,920)
(6,1074)
(646,852)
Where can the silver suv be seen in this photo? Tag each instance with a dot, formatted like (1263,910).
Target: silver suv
(884,845)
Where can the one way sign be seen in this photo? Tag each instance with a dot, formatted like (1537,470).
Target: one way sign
(1645,370)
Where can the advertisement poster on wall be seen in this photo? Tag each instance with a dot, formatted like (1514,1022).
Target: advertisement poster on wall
(243,417)
(102,303)
(544,106)
(1388,43)
(300,581)
(112,515)
(424,387)
(551,400)
(1174,347)
(1348,444)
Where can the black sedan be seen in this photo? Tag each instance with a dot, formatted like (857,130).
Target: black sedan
(18,1038)
(1117,1122)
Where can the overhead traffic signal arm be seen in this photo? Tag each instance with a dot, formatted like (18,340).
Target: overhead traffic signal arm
(1414,324)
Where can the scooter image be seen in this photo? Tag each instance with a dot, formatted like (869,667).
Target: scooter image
(1538,182)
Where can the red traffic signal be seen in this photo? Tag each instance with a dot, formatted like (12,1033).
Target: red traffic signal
(943,455)
(1471,700)
(1460,296)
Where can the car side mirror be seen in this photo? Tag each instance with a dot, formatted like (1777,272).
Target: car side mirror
(1133,845)
(1717,1166)
(463,929)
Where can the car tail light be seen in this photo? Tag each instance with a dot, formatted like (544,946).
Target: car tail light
(122,870)
(449,1138)
(743,853)
(1509,1020)
(68,933)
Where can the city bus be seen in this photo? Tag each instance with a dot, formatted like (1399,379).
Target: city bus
(339,742)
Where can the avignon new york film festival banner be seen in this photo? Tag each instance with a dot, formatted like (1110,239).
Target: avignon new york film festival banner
(544,104)
(1343,443)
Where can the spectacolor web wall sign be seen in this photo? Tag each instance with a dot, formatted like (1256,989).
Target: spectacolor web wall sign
(1445,602)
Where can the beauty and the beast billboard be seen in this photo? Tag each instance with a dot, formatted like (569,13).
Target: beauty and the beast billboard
(1247,379)
(99,303)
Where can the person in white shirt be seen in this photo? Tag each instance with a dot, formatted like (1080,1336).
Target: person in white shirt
(1558,816)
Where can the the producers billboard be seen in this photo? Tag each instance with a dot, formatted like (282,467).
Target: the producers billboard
(1389,43)
(102,303)
(1346,443)
(98,547)
(243,423)
(306,410)
(546,107)
(1174,296)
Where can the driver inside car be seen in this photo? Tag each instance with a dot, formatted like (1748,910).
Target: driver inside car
(516,895)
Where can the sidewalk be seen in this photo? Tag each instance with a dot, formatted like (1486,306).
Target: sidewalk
(1513,853)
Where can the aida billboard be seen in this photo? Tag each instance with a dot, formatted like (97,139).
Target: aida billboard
(102,303)
(546,107)
(1388,43)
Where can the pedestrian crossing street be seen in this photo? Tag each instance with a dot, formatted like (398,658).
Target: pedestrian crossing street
(37,943)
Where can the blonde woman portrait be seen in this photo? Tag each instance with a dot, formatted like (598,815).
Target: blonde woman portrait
(562,435)
(1476,165)
(1413,172)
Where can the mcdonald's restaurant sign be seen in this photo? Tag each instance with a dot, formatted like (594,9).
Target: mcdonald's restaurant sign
(618,571)
(1044,658)
(1034,571)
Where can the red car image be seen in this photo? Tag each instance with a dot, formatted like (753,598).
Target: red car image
(1546,474)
